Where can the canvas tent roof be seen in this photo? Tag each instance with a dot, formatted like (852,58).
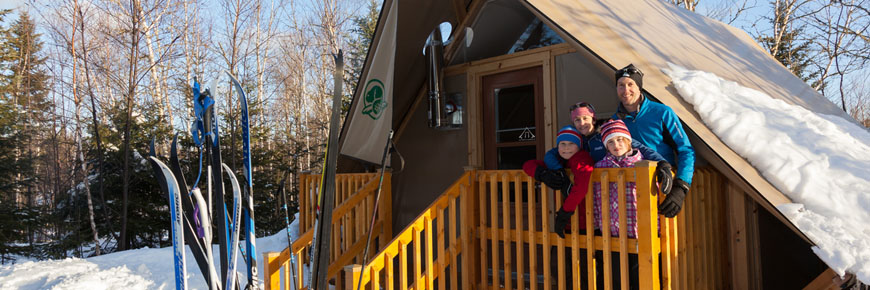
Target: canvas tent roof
(648,33)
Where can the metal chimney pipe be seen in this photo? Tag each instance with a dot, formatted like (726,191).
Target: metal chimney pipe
(435,51)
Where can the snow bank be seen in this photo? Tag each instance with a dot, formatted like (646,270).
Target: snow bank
(133,269)
(821,162)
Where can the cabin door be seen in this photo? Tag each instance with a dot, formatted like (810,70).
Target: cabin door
(513,118)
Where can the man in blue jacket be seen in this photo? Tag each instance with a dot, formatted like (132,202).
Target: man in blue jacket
(658,127)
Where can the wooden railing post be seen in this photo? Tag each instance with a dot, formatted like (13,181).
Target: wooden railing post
(647,227)
(468,224)
(272,275)
(386,210)
(352,275)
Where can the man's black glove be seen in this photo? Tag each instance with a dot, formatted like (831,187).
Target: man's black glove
(555,179)
(663,176)
(672,204)
(563,218)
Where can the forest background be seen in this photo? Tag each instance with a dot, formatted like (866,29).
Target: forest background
(86,84)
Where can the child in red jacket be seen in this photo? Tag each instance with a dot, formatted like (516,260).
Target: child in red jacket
(579,163)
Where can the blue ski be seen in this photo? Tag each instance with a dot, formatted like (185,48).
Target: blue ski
(234,232)
(177,223)
(250,250)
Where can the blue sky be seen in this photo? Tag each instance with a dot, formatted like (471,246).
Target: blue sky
(10,4)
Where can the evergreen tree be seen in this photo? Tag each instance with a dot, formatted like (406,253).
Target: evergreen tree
(24,84)
(358,48)
(788,49)
(791,53)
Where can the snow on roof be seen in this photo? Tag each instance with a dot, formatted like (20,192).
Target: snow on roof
(821,162)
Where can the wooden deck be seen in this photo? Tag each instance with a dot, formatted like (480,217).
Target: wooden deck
(492,229)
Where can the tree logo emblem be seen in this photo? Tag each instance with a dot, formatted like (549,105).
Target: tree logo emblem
(374,99)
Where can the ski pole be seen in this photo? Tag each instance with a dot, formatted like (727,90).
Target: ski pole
(375,210)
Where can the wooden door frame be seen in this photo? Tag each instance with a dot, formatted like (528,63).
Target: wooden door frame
(519,77)
(476,70)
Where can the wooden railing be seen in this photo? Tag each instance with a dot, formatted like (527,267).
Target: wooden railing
(490,228)
(435,250)
(493,229)
(354,201)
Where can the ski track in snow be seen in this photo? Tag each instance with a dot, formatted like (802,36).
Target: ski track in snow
(143,269)
(821,162)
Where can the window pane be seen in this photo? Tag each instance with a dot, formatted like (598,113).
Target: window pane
(515,114)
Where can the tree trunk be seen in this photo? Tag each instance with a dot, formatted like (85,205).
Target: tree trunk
(96,123)
(81,155)
(131,93)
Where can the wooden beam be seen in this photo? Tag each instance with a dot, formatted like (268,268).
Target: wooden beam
(824,281)
(459,10)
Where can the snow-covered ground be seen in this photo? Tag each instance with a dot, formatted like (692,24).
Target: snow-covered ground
(821,162)
(132,269)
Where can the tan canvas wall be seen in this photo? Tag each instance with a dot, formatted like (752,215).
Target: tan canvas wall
(582,78)
(434,159)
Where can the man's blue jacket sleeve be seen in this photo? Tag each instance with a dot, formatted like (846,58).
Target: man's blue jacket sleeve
(685,153)
(648,153)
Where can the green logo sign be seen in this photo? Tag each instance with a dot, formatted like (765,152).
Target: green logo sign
(374,99)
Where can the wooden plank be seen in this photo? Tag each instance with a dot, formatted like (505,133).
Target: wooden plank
(506,225)
(441,250)
(354,274)
(598,241)
(753,242)
(549,101)
(690,221)
(374,282)
(824,281)
(708,229)
(418,261)
(605,229)
(667,253)
(387,209)
(481,232)
(403,265)
(648,240)
(623,228)
(720,230)
(429,241)
(546,195)
(575,250)
(455,263)
(270,270)
(590,240)
(465,213)
(532,228)
(285,269)
(299,276)
(560,253)
(698,242)
(493,186)
(389,272)
(518,212)
(682,249)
